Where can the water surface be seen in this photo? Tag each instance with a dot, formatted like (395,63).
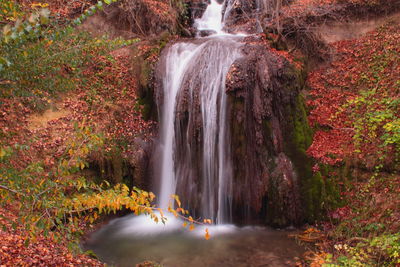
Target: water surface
(131,240)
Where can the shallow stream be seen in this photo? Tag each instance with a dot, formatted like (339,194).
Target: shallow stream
(131,240)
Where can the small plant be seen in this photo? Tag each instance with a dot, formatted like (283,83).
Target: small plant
(383,250)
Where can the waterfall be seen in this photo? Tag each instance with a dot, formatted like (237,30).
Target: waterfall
(211,19)
(179,57)
(195,160)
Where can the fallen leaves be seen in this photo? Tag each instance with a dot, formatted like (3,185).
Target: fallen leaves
(362,64)
(43,252)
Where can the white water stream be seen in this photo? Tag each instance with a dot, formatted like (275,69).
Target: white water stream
(178,59)
(210,61)
(211,19)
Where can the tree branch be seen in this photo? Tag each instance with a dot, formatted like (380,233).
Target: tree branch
(10,190)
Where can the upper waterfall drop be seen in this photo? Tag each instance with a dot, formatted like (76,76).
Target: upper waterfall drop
(211,19)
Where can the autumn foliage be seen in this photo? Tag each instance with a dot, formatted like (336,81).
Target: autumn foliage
(355,101)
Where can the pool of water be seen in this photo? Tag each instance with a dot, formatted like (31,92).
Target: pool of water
(130,240)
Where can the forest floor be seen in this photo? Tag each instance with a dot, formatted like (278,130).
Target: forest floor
(354,106)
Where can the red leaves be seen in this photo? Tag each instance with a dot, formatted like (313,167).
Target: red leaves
(330,147)
(341,213)
(363,64)
(43,252)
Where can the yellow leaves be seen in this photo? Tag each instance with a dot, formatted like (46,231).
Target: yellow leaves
(7,30)
(177,200)
(310,235)
(151,196)
(173,212)
(2,153)
(9,10)
(41,5)
(161,212)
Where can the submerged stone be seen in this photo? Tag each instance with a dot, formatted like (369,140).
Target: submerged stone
(205,33)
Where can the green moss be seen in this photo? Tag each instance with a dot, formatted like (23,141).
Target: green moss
(318,193)
(302,135)
(143,68)
(112,167)
(313,192)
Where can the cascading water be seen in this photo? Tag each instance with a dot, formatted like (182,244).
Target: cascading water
(194,76)
(211,19)
(179,57)
(195,162)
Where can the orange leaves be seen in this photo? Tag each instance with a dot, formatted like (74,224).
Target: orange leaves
(207,221)
(207,234)
(176,198)
(187,219)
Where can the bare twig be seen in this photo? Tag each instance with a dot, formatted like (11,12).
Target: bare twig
(10,190)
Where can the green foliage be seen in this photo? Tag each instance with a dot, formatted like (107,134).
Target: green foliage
(38,59)
(9,10)
(48,66)
(367,233)
(383,250)
(374,111)
(376,119)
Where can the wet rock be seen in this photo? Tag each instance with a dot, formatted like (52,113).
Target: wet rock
(262,86)
(250,26)
(239,12)
(197,8)
(205,33)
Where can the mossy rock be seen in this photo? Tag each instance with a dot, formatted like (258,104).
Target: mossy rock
(318,193)
(143,69)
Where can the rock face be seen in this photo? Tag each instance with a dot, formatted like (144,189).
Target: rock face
(197,8)
(206,33)
(266,114)
(241,16)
